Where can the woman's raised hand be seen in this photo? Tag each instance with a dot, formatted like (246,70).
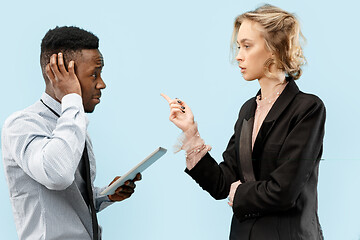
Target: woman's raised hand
(180,113)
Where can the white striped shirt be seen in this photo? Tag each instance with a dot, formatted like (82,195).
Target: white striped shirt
(41,155)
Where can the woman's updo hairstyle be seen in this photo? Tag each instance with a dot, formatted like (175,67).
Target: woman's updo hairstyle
(282,34)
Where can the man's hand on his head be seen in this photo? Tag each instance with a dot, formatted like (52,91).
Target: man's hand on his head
(62,81)
(125,191)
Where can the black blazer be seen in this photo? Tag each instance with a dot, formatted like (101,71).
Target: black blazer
(278,195)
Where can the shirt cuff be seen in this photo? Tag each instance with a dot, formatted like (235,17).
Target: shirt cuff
(71,100)
(102,201)
(194,145)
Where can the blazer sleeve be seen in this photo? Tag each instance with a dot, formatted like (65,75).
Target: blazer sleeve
(216,178)
(297,159)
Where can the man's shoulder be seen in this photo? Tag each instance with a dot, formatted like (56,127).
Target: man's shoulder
(19,118)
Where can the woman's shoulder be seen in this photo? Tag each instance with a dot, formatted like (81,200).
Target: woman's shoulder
(248,105)
(249,102)
(304,104)
(308,99)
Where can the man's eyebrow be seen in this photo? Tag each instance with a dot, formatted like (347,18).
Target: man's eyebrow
(100,62)
(98,67)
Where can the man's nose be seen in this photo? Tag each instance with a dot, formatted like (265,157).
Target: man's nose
(100,84)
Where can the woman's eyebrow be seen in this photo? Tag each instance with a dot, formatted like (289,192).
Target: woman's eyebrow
(244,40)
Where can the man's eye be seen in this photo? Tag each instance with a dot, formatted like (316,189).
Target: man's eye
(94,75)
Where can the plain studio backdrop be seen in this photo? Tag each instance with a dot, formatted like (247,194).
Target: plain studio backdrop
(182,48)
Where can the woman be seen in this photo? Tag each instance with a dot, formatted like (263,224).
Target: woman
(270,167)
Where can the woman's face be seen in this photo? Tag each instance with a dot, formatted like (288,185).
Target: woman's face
(252,51)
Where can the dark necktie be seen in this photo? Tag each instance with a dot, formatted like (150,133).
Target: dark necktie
(95,225)
(90,197)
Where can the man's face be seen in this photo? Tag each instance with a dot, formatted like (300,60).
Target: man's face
(88,66)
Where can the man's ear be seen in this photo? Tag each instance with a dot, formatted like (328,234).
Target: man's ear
(46,78)
(67,59)
(71,56)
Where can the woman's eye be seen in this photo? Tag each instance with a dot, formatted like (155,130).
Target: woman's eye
(245,46)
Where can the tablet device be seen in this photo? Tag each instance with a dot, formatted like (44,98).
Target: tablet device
(144,164)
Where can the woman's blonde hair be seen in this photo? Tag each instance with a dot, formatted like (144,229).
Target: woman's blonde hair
(282,36)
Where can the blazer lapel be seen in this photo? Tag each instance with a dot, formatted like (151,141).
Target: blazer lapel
(245,151)
(279,106)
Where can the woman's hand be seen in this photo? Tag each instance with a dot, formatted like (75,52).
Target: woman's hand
(232,192)
(180,113)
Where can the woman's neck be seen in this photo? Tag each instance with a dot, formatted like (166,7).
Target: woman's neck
(269,86)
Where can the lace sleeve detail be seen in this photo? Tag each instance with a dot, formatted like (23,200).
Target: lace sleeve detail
(194,146)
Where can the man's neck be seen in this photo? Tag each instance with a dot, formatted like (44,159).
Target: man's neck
(50,92)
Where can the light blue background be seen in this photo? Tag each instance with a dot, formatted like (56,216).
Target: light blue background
(181,48)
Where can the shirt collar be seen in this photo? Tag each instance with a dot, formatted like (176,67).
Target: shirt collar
(51,102)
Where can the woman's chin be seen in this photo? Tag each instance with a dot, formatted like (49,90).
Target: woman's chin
(248,78)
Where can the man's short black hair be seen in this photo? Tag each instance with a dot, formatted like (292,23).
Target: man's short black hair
(67,40)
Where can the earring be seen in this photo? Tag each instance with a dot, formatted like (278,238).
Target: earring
(268,62)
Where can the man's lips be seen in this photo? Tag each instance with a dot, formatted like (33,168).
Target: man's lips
(97,97)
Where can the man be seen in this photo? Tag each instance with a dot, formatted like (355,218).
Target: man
(47,153)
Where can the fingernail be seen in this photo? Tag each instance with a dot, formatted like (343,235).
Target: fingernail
(183,111)
(178,101)
(59,53)
(182,107)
